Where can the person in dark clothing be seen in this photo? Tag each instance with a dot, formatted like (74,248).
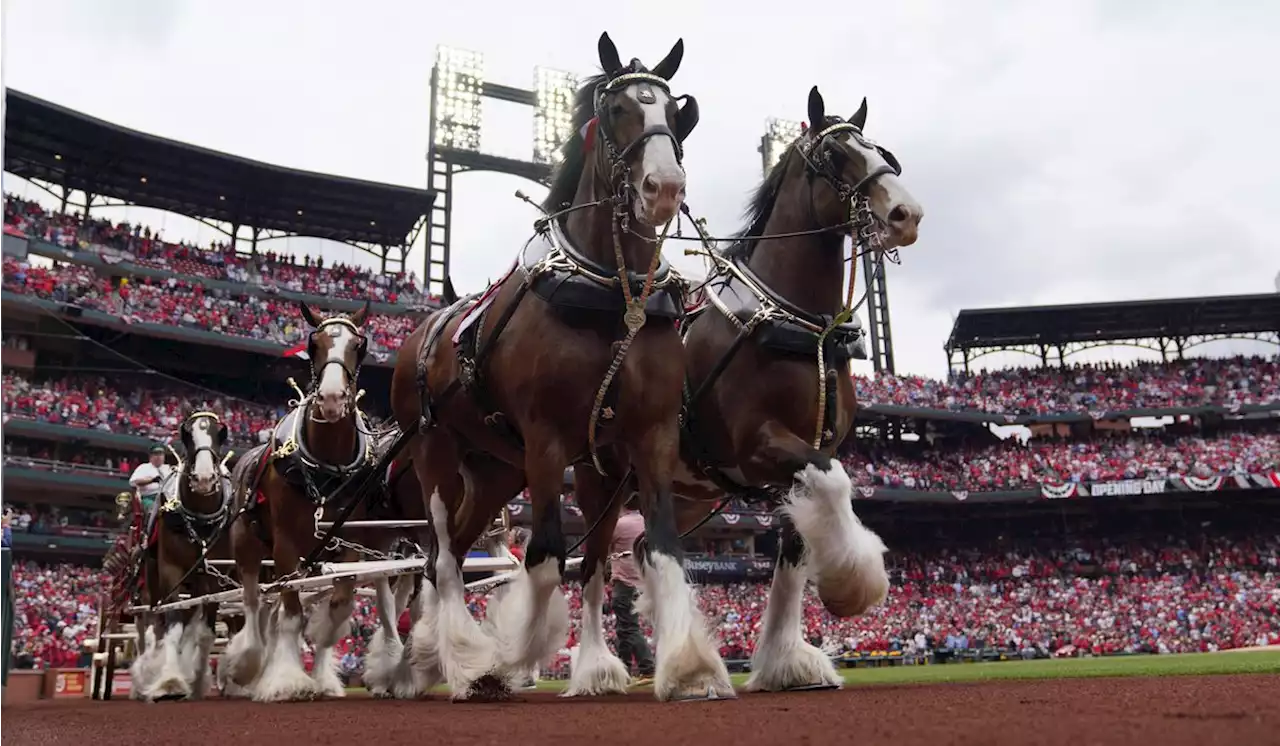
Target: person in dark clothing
(626,577)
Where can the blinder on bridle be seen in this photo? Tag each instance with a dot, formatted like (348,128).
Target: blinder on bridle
(188,440)
(634,74)
(817,154)
(362,349)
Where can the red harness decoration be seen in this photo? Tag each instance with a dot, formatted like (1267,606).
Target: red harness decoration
(588,133)
(481,304)
(260,497)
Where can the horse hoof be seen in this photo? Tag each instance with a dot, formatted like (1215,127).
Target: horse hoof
(489,688)
(170,690)
(710,695)
(821,686)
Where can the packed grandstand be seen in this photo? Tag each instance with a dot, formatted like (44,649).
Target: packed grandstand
(1083,535)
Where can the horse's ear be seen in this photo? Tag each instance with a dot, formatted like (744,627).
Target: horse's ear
(308,315)
(610,62)
(450,295)
(817,109)
(358,318)
(859,119)
(687,118)
(666,69)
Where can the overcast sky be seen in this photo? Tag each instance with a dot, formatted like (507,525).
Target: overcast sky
(1064,151)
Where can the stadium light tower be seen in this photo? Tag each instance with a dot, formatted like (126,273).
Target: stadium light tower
(455,103)
(458,86)
(778,136)
(553,113)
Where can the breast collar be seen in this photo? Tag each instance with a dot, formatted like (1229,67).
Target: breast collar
(172,502)
(563,256)
(295,442)
(772,305)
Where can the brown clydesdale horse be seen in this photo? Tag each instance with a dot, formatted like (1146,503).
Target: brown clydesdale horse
(285,486)
(187,525)
(770,392)
(560,363)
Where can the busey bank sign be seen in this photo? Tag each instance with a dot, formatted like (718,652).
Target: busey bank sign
(732,566)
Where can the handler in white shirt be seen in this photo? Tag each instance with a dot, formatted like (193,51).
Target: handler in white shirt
(148,478)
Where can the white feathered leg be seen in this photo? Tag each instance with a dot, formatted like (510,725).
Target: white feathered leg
(241,664)
(329,623)
(196,645)
(530,621)
(595,670)
(783,659)
(385,649)
(283,676)
(686,663)
(406,685)
(171,679)
(847,558)
(422,652)
(146,666)
(466,653)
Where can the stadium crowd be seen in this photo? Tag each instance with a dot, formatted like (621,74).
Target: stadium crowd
(140,245)
(155,412)
(1068,598)
(182,303)
(1193,382)
(87,401)
(1011,465)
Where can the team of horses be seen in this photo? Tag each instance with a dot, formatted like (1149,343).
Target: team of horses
(590,354)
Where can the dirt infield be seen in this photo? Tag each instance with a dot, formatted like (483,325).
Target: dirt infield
(1170,711)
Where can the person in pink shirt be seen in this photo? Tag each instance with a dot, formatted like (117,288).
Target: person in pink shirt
(626,577)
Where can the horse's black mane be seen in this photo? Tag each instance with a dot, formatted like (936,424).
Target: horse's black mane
(764,198)
(564,182)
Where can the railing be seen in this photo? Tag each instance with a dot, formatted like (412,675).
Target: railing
(61,467)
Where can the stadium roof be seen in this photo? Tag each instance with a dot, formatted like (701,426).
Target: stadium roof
(54,144)
(1176,318)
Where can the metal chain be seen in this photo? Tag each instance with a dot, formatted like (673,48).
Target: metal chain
(223,579)
(337,542)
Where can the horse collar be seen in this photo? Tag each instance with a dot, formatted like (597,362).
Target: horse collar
(565,256)
(295,442)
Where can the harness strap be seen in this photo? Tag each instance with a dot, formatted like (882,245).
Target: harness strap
(634,318)
(362,494)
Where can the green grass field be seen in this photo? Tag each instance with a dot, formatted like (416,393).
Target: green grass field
(1243,662)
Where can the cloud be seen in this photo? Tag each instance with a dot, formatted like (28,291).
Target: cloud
(1062,151)
(150,22)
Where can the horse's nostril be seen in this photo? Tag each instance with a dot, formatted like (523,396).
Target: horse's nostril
(650,185)
(904,215)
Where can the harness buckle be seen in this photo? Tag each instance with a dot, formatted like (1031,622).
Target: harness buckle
(466,371)
(286,449)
